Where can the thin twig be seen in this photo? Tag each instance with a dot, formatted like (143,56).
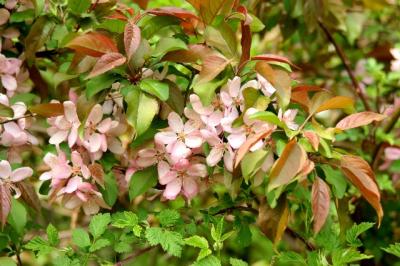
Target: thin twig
(16,119)
(135,254)
(346,64)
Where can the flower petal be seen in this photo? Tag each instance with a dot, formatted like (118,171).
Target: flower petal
(21,173)
(9,82)
(95,115)
(172,189)
(5,169)
(175,122)
(190,187)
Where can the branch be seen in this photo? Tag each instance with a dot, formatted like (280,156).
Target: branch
(346,64)
(16,119)
(386,129)
(135,254)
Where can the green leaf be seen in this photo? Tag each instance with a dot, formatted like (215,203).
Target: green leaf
(5,261)
(99,244)
(336,179)
(99,83)
(151,25)
(223,38)
(80,238)
(169,44)
(22,16)
(393,249)
(98,224)
(171,242)
(141,110)
(79,6)
(168,217)
(203,253)
(252,162)
(292,258)
(156,88)
(206,91)
(216,232)
(345,256)
(141,181)
(18,216)
(268,117)
(237,262)
(356,230)
(124,219)
(52,235)
(6,111)
(39,246)
(197,242)
(112,25)
(208,261)
(110,190)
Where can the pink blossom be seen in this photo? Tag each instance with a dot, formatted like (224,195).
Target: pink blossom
(59,167)
(219,150)
(82,194)
(95,138)
(9,68)
(151,156)
(231,95)
(250,127)
(179,137)
(64,127)
(265,86)
(209,115)
(180,177)
(11,177)
(395,64)
(288,118)
(391,154)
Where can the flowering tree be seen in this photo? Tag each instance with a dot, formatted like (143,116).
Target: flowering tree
(166,131)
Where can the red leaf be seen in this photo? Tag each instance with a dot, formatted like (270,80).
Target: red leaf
(313,138)
(132,38)
(173,11)
(358,120)
(47,109)
(248,144)
(209,9)
(211,67)
(306,88)
(320,203)
(93,44)
(97,172)
(274,58)
(106,63)
(246,39)
(193,54)
(361,175)
(29,195)
(5,203)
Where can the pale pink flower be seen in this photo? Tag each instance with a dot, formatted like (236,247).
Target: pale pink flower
(265,86)
(9,68)
(64,127)
(391,154)
(150,156)
(288,118)
(11,177)
(59,167)
(249,128)
(82,194)
(95,138)
(231,95)
(181,177)
(179,138)
(219,150)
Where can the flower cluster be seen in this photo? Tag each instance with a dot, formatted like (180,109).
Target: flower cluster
(178,150)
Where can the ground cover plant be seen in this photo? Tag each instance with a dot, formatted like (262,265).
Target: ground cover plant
(199,132)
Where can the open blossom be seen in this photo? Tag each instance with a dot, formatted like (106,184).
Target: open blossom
(11,177)
(65,126)
(232,95)
(249,128)
(9,68)
(14,133)
(179,138)
(180,177)
(151,156)
(288,118)
(78,193)
(95,138)
(219,150)
(212,115)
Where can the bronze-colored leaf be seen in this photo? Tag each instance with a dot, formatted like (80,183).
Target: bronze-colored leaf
(5,203)
(29,195)
(245,40)
(358,120)
(313,138)
(193,54)
(47,109)
(323,101)
(132,38)
(292,160)
(106,63)
(211,67)
(97,172)
(320,201)
(361,175)
(209,9)
(248,144)
(274,58)
(273,222)
(93,44)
